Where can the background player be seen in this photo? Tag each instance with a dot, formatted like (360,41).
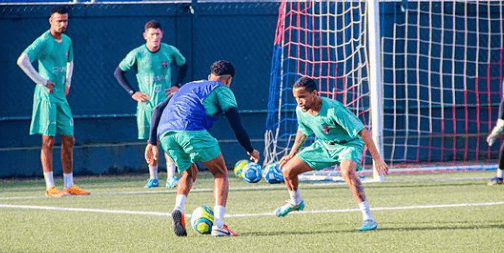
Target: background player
(51,111)
(499,126)
(340,138)
(181,123)
(152,64)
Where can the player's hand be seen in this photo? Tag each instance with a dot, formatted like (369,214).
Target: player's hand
(491,139)
(285,159)
(151,153)
(381,167)
(171,90)
(254,156)
(67,91)
(50,86)
(140,97)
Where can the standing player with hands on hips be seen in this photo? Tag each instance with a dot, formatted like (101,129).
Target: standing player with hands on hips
(182,122)
(341,137)
(152,64)
(51,111)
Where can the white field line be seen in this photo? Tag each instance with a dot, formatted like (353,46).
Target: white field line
(149,213)
(254,187)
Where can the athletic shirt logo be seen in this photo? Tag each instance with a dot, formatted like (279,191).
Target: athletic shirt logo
(164,64)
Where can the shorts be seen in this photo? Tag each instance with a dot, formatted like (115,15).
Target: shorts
(50,118)
(144,115)
(186,147)
(321,155)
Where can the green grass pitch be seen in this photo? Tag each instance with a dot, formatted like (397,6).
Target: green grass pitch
(442,212)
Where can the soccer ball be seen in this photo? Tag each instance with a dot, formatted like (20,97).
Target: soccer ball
(202,220)
(238,168)
(273,174)
(252,173)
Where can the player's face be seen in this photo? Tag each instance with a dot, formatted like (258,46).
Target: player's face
(304,98)
(153,37)
(59,22)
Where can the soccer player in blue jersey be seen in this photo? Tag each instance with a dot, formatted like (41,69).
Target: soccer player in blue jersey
(341,137)
(152,64)
(499,126)
(51,112)
(181,124)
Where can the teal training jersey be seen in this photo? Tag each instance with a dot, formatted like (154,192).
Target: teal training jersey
(334,122)
(153,70)
(219,100)
(52,56)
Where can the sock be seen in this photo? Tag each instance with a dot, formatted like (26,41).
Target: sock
(153,171)
(366,211)
(296,196)
(170,169)
(68,180)
(219,215)
(49,179)
(180,202)
(500,173)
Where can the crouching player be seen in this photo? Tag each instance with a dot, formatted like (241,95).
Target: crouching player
(341,137)
(181,123)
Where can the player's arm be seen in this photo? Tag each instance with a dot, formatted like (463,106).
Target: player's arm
(499,126)
(240,133)
(69,73)
(151,151)
(296,147)
(120,76)
(380,165)
(24,63)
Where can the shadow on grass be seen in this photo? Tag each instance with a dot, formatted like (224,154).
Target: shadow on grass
(380,229)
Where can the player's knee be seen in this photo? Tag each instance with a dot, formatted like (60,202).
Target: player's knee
(68,141)
(48,143)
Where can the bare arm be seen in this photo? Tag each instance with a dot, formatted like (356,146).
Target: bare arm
(69,73)
(380,165)
(298,144)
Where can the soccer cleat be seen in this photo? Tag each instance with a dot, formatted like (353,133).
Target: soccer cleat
(75,190)
(289,207)
(172,182)
(368,225)
(54,192)
(178,222)
(152,183)
(223,231)
(495,181)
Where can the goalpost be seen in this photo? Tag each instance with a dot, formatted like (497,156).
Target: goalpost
(424,76)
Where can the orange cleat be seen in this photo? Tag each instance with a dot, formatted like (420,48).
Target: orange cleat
(75,190)
(54,192)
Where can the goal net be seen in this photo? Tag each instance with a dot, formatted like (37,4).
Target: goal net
(441,75)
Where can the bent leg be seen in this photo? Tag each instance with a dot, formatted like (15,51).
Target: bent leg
(347,169)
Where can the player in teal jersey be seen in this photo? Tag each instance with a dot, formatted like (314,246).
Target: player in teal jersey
(341,137)
(51,112)
(152,64)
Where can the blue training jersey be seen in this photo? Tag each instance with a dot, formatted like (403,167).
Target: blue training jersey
(186,111)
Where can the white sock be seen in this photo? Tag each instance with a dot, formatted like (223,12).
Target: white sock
(366,211)
(219,215)
(153,171)
(180,202)
(49,179)
(68,180)
(500,173)
(296,196)
(170,169)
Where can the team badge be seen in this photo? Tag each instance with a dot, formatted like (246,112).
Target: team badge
(164,64)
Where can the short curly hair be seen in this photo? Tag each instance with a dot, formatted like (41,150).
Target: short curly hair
(220,68)
(305,82)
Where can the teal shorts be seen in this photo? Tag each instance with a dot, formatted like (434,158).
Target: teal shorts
(50,118)
(321,155)
(186,147)
(144,115)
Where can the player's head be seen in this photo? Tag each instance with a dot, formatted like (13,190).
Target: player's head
(153,34)
(306,93)
(222,71)
(58,19)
